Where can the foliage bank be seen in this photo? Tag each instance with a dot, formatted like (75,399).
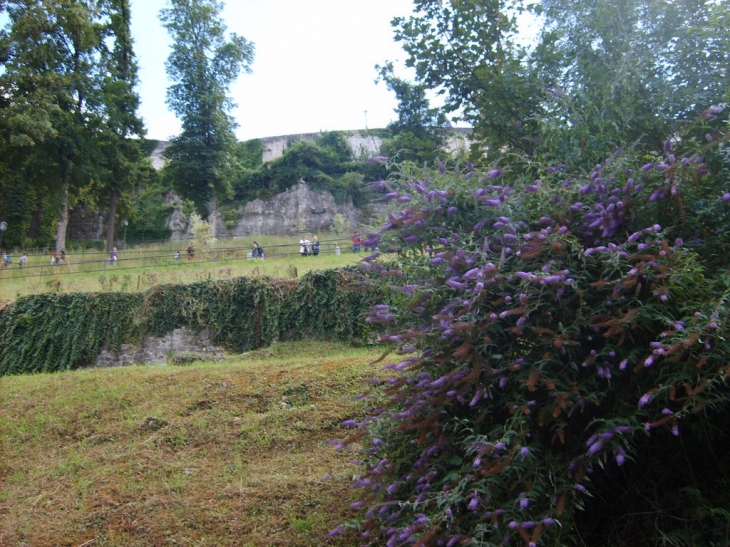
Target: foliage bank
(52,332)
(565,354)
(326,165)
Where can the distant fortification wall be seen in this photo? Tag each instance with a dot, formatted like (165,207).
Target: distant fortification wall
(362,143)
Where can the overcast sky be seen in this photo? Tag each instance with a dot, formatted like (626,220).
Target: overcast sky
(313,70)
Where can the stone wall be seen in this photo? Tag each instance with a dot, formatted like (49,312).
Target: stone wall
(362,143)
(158,351)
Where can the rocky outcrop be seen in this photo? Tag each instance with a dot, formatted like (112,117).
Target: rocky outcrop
(297,210)
(179,223)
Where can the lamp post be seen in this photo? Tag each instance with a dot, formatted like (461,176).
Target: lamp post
(124,239)
(3,227)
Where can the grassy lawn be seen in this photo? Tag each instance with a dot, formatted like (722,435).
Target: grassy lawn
(230,453)
(142,267)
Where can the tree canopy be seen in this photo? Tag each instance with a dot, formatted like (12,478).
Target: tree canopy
(68,89)
(597,76)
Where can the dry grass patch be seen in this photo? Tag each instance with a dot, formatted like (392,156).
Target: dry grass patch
(230,453)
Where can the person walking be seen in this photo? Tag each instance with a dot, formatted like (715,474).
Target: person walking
(23,260)
(337,249)
(113,256)
(315,246)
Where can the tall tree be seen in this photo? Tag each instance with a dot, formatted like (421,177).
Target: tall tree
(51,85)
(121,150)
(203,64)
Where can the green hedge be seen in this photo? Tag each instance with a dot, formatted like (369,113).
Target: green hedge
(54,332)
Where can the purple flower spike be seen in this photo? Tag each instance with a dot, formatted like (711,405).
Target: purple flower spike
(524,452)
(452,282)
(726,196)
(644,400)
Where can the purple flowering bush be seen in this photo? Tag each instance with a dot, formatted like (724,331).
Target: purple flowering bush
(565,356)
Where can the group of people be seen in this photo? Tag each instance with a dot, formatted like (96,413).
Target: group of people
(7,260)
(309,248)
(190,251)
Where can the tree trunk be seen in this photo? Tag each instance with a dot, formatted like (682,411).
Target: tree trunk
(62,220)
(112,218)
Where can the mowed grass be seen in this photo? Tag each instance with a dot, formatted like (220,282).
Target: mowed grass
(143,267)
(231,453)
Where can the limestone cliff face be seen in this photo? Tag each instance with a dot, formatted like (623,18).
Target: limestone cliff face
(297,210)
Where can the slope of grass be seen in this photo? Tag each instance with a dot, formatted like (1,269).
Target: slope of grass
(143,267)
(219,454)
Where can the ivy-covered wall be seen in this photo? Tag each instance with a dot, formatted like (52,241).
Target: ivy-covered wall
(54,332)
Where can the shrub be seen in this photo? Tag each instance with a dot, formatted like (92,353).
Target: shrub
(565,356)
